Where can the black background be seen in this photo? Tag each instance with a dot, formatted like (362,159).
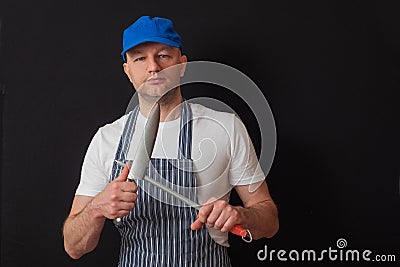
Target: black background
(329,69)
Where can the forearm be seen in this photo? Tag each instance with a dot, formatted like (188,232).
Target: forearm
(261,219)
(82,231)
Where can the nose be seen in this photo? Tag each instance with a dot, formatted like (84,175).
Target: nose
(153,65)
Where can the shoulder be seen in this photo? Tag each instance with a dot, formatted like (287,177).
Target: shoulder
(205,115)
(201,112)
(113,129)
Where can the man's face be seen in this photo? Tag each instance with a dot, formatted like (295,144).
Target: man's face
(144,66)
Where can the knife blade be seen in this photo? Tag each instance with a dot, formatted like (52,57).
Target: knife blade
(145,148)
(146,145)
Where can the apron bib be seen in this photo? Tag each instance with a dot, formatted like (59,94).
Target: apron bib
(157,230)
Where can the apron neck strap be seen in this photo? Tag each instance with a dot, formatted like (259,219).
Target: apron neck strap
(185,133)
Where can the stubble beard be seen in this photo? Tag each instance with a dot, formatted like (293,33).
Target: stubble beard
(166,98)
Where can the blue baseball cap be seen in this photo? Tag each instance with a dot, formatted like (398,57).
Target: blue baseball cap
(147,29)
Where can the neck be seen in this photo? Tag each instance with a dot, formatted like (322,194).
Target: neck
(169,105)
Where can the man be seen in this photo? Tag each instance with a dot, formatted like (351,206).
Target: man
(202,153)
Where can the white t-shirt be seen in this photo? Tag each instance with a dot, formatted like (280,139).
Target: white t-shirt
(222,153)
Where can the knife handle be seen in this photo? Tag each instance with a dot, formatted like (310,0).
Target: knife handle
(240,231)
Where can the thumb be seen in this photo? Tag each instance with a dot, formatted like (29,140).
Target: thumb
(124,174)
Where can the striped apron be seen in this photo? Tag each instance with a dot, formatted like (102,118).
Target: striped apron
(157,230)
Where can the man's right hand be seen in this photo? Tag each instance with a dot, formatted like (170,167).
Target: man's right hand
(117,199)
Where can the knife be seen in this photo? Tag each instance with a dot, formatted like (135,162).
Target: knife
(145,149)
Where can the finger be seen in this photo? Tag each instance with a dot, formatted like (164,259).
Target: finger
(120,213)
(128,197)
(228,225)
(222,219)
(129,187)
(124,174)
(126,205)
(118,210)
(206,209)
(216,214)
(121,207)
(204,212)
(196,225)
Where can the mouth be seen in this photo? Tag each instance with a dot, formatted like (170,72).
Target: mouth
(155,80)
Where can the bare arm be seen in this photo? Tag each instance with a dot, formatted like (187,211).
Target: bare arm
(258,214)
(83,226)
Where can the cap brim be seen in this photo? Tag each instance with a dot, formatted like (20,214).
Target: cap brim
(151,39)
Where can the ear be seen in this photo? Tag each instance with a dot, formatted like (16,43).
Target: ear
(126,70)
(183,65)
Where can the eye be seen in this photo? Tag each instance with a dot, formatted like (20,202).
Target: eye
(139,59)
(163,56)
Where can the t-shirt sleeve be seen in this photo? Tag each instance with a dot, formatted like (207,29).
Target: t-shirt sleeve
(93,178)
(244,168)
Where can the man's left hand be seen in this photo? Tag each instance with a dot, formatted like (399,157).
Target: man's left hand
(218,214)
